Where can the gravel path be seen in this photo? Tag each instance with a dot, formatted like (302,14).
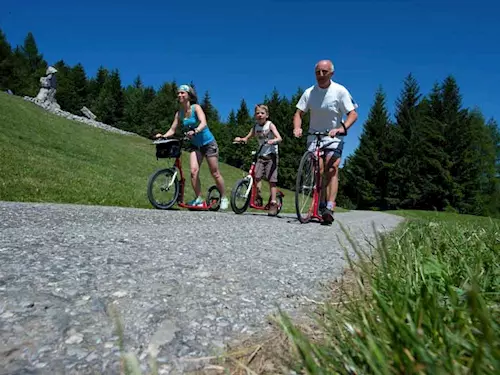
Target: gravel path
(184,282)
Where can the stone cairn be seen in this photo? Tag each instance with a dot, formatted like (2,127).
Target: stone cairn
(46,99)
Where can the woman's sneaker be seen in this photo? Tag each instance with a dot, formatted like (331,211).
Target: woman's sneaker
(224,203)
(196,202)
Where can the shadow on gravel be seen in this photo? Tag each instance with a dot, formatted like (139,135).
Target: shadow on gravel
(281,217)
(289,219)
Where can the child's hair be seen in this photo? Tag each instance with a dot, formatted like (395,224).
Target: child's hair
(262,107)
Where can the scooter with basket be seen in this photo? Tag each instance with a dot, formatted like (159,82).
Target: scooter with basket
(166,186)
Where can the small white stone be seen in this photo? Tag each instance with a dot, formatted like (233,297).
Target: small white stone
(77,338)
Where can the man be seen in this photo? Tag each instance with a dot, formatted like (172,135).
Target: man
(328,102)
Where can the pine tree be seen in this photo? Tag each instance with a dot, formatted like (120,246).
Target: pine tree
(367,172)
(138,83)
(134,107)
(6,62)
(109,107)
(95,86)
(231,121)
(456,125)
(161,110)
(80,84)
(403,185)
(65,93)
(439,181)
(30,66)
(492,188)
(243,118)
(211,112)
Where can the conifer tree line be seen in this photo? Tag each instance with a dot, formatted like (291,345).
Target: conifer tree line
(432,153)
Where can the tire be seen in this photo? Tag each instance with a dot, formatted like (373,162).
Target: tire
(214,194)
(279,200)
(175,187)
(306,164)
(240,187)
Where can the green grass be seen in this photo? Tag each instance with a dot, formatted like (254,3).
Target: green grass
(443,217)
(429,304)
(46,158)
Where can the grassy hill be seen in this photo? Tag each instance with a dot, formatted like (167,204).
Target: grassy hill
(46,158)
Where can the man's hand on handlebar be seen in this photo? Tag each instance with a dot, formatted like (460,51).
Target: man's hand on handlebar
(332,133)
(338,131)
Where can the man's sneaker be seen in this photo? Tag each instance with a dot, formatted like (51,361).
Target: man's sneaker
(196,202)
(224,203)
(327,216)
(322,206)
(273,209)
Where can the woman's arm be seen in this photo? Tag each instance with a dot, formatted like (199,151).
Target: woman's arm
(170,132)
(201,116)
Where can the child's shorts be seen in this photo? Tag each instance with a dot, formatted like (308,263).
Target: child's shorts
(267,166)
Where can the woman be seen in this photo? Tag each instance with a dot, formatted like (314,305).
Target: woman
(203,144)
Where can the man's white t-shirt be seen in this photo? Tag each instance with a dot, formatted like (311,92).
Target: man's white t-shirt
(327,107)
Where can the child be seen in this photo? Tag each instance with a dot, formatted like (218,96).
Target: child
(267,163)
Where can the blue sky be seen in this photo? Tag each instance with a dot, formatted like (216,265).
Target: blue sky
(241,50)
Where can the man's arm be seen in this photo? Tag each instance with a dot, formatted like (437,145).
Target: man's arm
(351,119)
(297,123)
(348,106)
(302,107)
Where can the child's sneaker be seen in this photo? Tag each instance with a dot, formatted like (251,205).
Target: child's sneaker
(273,209)
(224,203)
(258,200)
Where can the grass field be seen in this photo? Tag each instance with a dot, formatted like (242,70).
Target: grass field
(428,302)
(46,158)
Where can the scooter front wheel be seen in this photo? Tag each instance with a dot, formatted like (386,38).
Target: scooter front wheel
(239,203)
(163,188)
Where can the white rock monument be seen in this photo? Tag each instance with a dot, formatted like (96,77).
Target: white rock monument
(47,94)
(46,99)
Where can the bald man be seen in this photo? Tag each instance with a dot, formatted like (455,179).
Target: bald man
(327,102)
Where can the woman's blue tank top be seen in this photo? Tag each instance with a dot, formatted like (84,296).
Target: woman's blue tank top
(202,138)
